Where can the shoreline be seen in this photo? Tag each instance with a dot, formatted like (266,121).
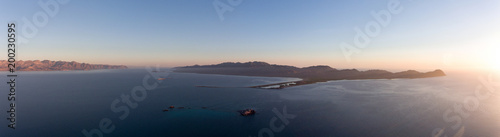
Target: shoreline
(283,85)
(280,85)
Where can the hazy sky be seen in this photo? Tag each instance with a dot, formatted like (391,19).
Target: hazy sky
(426,34)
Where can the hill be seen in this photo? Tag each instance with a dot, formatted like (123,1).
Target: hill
(308,74)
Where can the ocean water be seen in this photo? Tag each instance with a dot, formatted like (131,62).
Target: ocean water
(62,104)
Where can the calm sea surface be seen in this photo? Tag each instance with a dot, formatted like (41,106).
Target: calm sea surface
(62,104)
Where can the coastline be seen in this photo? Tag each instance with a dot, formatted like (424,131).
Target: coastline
(307,75)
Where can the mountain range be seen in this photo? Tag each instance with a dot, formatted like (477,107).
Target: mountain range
(256,68)
(47,65)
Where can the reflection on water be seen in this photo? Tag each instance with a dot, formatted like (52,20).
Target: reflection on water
(416,106)
(64,103)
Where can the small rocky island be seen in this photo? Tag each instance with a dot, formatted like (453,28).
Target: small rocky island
(308,75)
(46,65)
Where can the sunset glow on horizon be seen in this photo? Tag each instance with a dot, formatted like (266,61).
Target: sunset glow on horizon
(424,35)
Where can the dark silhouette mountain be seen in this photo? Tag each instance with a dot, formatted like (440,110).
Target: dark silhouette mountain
(46,65)
(308,74)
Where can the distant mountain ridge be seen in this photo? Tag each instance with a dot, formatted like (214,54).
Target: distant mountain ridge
(47,65)
(316,73)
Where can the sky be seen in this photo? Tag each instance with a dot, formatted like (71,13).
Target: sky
(424,34)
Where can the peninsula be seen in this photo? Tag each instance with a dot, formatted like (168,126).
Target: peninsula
(46,65)
(308,75)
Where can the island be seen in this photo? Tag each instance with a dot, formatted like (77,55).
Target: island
(47,65)
(309,75)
